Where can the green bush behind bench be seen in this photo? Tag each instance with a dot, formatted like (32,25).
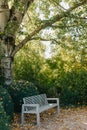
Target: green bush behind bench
(20,89)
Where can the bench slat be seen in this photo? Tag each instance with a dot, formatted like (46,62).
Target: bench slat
(38,99)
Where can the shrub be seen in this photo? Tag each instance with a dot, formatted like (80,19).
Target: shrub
(20,89)
(7,102)
(4,123)
(74,88)
(1,76)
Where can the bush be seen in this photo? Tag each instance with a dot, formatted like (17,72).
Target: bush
(74,88)
(20,89)
(7,102)
(4,123)
(1,76)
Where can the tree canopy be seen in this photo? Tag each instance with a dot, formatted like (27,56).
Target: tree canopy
(43,14)
(23,21)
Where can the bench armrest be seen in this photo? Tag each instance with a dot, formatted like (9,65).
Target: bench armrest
(54,99)
(26,106)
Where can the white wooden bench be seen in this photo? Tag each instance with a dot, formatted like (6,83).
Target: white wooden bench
(37,104)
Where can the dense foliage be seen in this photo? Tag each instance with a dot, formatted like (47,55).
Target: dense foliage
(7,102)
(74,88)
(4,123)
(57,76)
(20,89)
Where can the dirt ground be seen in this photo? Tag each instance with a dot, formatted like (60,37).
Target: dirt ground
(68,119)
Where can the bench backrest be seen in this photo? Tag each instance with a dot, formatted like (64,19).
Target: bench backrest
(37,99)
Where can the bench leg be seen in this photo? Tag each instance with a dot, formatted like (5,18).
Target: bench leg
(58,111)
(22,118)
(38,119)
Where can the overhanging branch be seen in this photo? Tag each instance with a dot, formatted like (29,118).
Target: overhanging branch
(68,26)
(45,24)
(16,15)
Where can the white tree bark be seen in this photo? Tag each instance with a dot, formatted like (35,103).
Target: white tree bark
(7,70)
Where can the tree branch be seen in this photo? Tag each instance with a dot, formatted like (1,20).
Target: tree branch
(67,26)
(16,15)
(41,39)
(45,24)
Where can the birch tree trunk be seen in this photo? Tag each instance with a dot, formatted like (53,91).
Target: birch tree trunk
(6,59)
(6,43)
(10,20)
